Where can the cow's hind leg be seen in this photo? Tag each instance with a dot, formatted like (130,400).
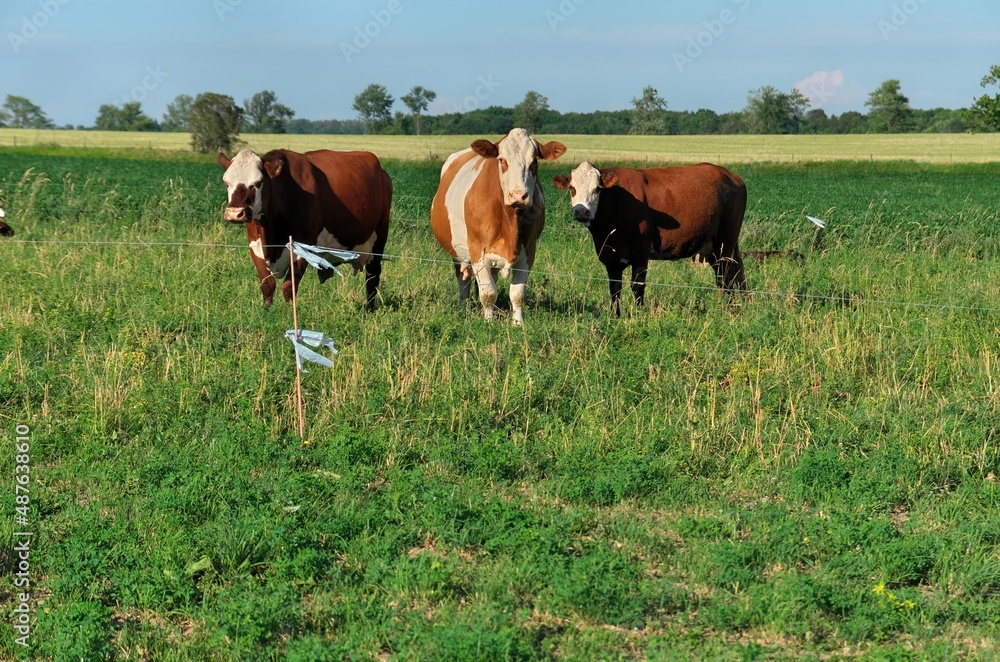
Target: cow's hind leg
(464,282)
(373,271)
(292,285)
(728,265)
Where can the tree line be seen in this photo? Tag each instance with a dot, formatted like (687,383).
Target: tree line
(215,120)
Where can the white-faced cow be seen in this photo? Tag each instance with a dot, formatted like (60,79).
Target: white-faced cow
(489,212)
(337,200)
(660,214)
(5,230)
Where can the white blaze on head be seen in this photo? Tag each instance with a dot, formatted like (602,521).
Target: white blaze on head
(585,191)
(518,155)
(244,178)
(518,167)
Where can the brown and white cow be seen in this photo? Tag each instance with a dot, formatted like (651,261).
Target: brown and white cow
(660,214)
(337,200)
(5,230)
(489,212)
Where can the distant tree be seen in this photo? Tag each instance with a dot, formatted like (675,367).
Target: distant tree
(816,121)
(771,111)
(215,122)
(374,106)
(850,122)
(20,113)
(263,114)
(177,118)
(648,113)
(700,122)
(890,109)
(941,120)
(128,117)
(303,126)
(417,101)
(985,112)
(528,113)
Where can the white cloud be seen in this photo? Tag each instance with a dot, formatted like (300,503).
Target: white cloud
(822,87)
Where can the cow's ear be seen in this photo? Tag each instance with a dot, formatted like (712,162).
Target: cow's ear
(486,149)
(561,182)
(609,179)
(274,166)
(224,160)
(551,151)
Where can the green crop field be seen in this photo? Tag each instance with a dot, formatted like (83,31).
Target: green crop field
(809,471)
(946,148)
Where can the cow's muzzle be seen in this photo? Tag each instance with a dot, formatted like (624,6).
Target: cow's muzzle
(518,199)
(237,214)
(582,214)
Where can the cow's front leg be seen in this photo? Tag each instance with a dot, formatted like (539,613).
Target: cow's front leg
(615,274)
(487,288)
(518,288)
(639,280)
(291,286)
(265,278)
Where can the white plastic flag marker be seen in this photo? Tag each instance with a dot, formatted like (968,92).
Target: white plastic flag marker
(315,339)
(820,224)
(314,256)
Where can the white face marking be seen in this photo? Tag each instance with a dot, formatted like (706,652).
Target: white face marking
(519,154)
(248,170)
(585,192)
(2,214)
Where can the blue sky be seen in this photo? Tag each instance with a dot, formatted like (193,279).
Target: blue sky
(71,56)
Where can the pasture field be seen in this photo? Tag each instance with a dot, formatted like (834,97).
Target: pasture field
(946,148)
(810,471)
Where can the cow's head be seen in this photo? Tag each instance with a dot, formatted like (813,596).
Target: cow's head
(585,184)
(245,177)
(518,155)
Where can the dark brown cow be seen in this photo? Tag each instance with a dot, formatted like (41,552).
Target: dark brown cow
(5,230)
(337,200)
(660,214)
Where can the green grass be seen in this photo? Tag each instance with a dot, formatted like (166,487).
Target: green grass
(775,477)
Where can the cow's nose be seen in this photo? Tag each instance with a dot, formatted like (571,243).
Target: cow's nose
(517,198)
(581,214)
(235,214)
